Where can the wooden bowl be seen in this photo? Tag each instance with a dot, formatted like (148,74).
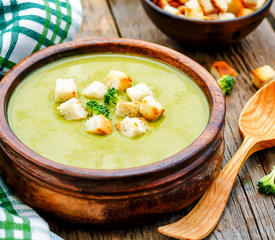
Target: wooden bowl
(204,32)
(113,196)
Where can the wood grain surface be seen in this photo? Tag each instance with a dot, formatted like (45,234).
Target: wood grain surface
(248,214)
(257,127)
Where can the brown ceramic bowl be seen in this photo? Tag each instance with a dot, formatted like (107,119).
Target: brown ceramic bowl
(113,196)
(201,32)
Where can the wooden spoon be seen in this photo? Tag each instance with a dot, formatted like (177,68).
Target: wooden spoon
(257,127)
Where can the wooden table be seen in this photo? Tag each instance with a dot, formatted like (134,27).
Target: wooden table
(248,214)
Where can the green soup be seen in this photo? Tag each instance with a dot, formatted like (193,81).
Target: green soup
(34,118)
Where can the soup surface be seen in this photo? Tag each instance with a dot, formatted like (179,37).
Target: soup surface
(34,118)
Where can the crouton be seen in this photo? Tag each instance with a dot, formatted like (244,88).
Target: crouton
(138,92)
(72,110)
(250,3)
(120,81)
(176,3)
(182,2)
(262,75)
(221,68)
(221,5)
(182,10)
(234,6)
(95,90)
(193,10)
(226,16)
(207,6)
(170,9)
(124,109)
(213,16)
(65,89)
(150,109)
(98,124)
(132,127)
(260,3)
(244,12)
(208,18)
(192,4)
(160,3)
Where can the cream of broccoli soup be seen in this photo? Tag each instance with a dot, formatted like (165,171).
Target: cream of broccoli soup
(37,119)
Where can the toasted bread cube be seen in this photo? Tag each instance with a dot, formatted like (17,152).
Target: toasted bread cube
(221,5)
(226,16)
(262,75)
(170,9)
(250,3)
(160,3)
(72,110)
(193,10)
(208,18)
(234,6)
(207,6)
(118,80)
(260,4)
(192,4)
(65,89)
(138,92)
(95,90)
(182,2)
(150,108)
(132,127)
(221,68)
(176,3)
(244,12)
(182,10)
(100,125)
(124,109)
(213,16)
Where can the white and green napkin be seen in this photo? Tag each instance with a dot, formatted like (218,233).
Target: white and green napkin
(18,221)
(27,26)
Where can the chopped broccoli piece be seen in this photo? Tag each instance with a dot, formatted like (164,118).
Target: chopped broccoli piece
(266,185)
(226,83)
(97,109)
(111,97)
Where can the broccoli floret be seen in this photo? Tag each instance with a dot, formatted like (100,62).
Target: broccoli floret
(111,97)
(97,109)
(266,184)
(226,83)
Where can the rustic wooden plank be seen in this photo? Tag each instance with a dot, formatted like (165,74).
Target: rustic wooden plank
(248,214)
(97,20)
(262,206)
(272,9)
(271,16)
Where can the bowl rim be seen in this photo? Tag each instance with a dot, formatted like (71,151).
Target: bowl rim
(158,9)
(208,135)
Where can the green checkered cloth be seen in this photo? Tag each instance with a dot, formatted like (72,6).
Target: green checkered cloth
(27,26)
(18,221)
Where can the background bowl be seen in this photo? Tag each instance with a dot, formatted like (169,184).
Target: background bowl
(201,32)
(113,196)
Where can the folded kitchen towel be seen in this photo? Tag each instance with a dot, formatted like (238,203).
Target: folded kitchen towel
(27,26)
(18,221)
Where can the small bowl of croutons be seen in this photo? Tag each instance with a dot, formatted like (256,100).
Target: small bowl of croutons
(207,22)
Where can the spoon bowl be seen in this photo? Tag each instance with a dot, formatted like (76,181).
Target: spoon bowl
(257,119)
(257,127)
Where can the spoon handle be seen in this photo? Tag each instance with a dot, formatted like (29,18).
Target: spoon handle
(203,218)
